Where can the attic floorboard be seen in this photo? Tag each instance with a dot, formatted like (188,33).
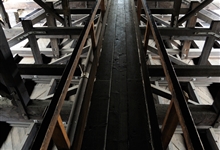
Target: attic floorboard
(117,118)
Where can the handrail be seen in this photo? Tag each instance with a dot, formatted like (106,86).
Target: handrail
(178,108)
(47,127)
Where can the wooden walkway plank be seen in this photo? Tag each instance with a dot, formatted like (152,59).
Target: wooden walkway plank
(95,132)
(118,102)
(117,123)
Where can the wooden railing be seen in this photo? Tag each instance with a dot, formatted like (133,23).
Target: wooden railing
(52,126)
(178,110)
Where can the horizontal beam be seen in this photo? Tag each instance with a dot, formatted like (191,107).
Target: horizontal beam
(170,31)
(154,70)
(193,52)
(203,115)
(46,51)
(35,109)
(77,11)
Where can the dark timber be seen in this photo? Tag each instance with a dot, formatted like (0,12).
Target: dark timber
(117,118)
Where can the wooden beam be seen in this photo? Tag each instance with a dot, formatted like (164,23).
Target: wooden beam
(207,16)
(45,132)
(29,5)
(51,22)
(203,59)
(192,92)
(150,105)
(169,125)
(103,8)
(52,87)
(194,11)
(176,12)
(160,91)
(48,52)
(35,17)
(203,115)
(172,58)
(93,37)
(139,8)
(213,140)
(146,36)
(190,23)
(66,13)
(60,137)
(27,26)
(4,16)
(10,76)
(182,110)
(71,91)
(154,70)
(49,10)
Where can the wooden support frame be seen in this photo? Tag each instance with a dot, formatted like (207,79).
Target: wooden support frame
(193,93)
(203,59)
(49,10)
(176,12)
(171,57)
(10,76)
(139,8)
(154,70)
(169,125)
(4,16)
(194,11)
(93,37)
(181,107)
(146,36)
(46,130)
(153,122)
(203,115)
(27,26)
(103,8)
(59,136)
(210,133)
(51,22)
(190,23)
(66,13)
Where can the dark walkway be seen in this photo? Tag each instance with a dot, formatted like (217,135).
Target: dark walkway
(117,118)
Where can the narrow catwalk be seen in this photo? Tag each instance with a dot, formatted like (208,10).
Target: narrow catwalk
(118,118)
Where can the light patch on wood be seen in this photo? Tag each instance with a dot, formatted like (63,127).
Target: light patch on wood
(14,138)
(204,95)
(40,90)
(177,142)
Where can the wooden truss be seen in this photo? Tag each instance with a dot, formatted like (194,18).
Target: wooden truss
(46,117)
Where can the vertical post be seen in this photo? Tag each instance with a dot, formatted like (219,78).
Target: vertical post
(27,25)
(146,36)
(158,97)
(52,23)
(203,59)
(216,106)
(190,23)
(93,37)
(10,76)
(4,15)
(102,5)
(175,14)
(66,13)
(139,6)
